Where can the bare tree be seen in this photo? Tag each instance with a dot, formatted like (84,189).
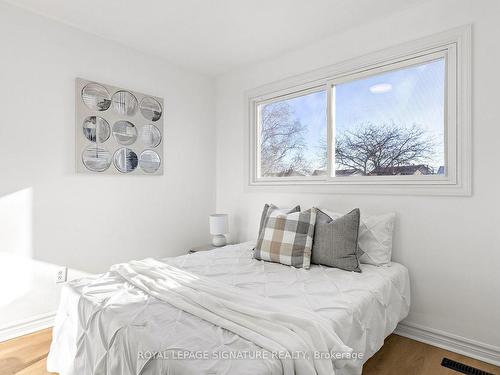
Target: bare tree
(322,153)
(282,141)
(369,148)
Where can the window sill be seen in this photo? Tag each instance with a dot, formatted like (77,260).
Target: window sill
(435,187)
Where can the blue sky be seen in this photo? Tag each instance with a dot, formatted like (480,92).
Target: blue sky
(416,96)
(413,95)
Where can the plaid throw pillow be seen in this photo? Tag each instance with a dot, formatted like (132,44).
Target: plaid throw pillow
(287,238)
(268,208)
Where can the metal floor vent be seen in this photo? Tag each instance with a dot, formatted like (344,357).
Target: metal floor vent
(464,369)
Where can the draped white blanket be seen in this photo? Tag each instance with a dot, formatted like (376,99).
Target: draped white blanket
(279,329)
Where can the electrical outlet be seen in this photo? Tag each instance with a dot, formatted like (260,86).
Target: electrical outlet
(62,274)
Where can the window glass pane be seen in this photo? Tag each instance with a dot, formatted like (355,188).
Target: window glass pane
(391,123)
(293,136)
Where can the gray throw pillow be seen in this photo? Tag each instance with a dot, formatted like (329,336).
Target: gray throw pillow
(336,241)
(268,209)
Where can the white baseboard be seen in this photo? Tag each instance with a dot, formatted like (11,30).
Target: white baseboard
(27,326)
(454,343)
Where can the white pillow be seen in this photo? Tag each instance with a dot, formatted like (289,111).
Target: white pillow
(375,237)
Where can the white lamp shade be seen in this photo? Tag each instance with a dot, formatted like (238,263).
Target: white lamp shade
(218,224)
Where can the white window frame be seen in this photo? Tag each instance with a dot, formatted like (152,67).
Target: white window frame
(453,45)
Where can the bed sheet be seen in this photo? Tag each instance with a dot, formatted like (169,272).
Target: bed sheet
(106,326)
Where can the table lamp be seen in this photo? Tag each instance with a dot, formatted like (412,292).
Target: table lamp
(218,229)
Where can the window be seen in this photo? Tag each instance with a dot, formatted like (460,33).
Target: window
(391,123)
(389,126)
(293,136)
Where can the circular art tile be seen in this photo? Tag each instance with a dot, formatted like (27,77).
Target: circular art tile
(96,129)
(149,161)
(150,108)
(125,160)
(124,132)
(150,136)
(124,103)
(96,158)
(96,97)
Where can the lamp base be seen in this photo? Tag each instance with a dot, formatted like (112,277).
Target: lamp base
(219,240)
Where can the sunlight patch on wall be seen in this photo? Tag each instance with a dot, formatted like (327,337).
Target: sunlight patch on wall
(16,245)
(16,223)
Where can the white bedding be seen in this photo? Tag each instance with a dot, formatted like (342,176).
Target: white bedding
(107,326)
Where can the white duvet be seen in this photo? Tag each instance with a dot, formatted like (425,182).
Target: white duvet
(140,317)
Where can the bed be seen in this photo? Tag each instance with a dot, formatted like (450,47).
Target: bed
(105,325)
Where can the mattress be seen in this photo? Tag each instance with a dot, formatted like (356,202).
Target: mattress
(106,326)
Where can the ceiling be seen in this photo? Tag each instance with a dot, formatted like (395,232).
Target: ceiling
(214,36)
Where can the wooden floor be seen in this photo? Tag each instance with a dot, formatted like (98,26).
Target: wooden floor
(27,355)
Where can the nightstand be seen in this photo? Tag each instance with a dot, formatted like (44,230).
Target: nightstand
(202,248)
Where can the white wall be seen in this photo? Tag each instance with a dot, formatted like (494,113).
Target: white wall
(451,245)
(50,214)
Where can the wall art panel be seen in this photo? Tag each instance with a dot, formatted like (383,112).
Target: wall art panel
(118,131)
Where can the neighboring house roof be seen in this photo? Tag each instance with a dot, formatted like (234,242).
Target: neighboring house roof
(347,172)
(318,172)
(287,173)
(402,170)
(441,170)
